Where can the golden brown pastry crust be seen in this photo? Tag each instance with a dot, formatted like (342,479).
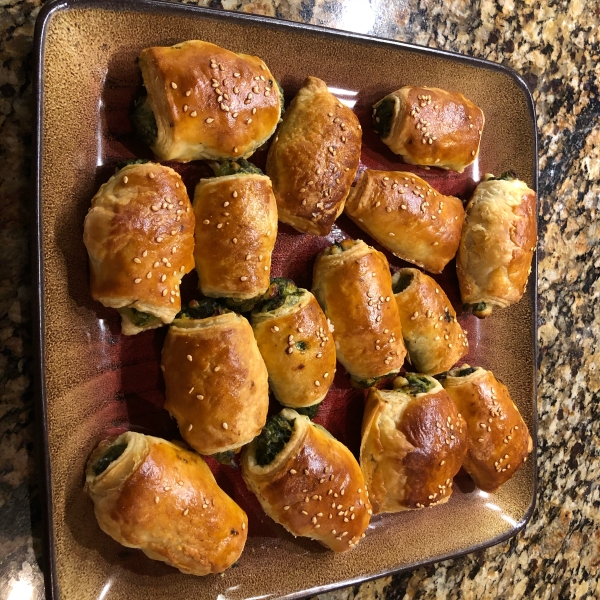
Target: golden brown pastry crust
(434,127)
(301,369)
(209,102)
(236,229)
(139,237)
(220,397)
(497,244)
(314,486)
(411,448)
(313,159)
(408,217)
(499,440)
(434,339)
(354,289)
(164,500)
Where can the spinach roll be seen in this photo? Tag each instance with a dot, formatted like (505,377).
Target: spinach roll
(236,229)
(203,101)
(313,159)
(156,496)
(139,237)
(413,443)
(295,342)
(434,339)
(498,439)
(497,244)
(408,217)
(430,127)
(307,481)
(353,285)
(216,380)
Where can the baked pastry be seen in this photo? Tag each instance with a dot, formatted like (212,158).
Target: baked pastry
(293,337)
(499,440)
(139,237)
(353,285)
(408,217)
(205,102)
(216,380)
(429,126)
(236,229)
(156,496)
(307,481)
(497,244)
(413,443)
(313,159)
(434,339)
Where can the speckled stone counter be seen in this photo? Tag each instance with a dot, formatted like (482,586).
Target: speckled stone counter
(556,47)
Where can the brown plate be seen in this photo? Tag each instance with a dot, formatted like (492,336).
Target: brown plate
(93,381)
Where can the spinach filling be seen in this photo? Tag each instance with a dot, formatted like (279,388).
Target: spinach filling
(402,282)
(480,309)
(416,384)
(309,411)
(131,161)
(272,439)
(137,317)
(239,166)
(281,292)
(466,371)
(207,307)
(506,176)
(367,383)
(281,98)
(340,247)
(109,457)
(144,121)
(383,117)
(225,458)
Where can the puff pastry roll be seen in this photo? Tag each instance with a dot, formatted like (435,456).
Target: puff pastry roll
(413,443)
(434,339)
(139,237)
(205,102)
(408,217)
(497,244)
(216,380)
(313,159)
(499,440)
(154,495)
(236,229)
(294,339)
(430,127)
(353,285)
(307,481)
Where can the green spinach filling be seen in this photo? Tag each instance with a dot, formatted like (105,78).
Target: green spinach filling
(416,384)
(239,166)
(144,121)
(281,98)
(109,457)
(281,292)
(466,371)
(137,317)
(131,161)
(309,411)
(506,176)
(203,309)
(383,117)
(272,439)
(402,282)
(225,458)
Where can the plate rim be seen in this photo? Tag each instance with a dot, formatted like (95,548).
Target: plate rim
(42,454)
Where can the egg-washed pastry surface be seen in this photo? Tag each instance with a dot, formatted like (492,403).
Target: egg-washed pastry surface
(154,495)
(430,126)
(353,285)
(236,229)
(497,244)
(308,481)
(216,380)
(413,443)
(434,339)
(313,159)
(139,237)
(498,438)
(205,102)
(295,342)
(408,217)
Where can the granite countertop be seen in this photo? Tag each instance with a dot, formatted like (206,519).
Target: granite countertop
(556,49)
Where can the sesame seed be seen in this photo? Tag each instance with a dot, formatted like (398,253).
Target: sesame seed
(193,114)
(149,275)
(209,120)
(254,112)
(243,278)
(137,280)
(225,426)
(293,471)
(173,85)
(156,499)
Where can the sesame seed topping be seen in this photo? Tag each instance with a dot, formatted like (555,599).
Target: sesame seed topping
(156,499)
(193,114)
(225,426)
(209,120)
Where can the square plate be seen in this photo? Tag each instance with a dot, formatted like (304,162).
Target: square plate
(92,381)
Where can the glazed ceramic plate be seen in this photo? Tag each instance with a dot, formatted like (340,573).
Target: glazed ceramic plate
(94,382)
